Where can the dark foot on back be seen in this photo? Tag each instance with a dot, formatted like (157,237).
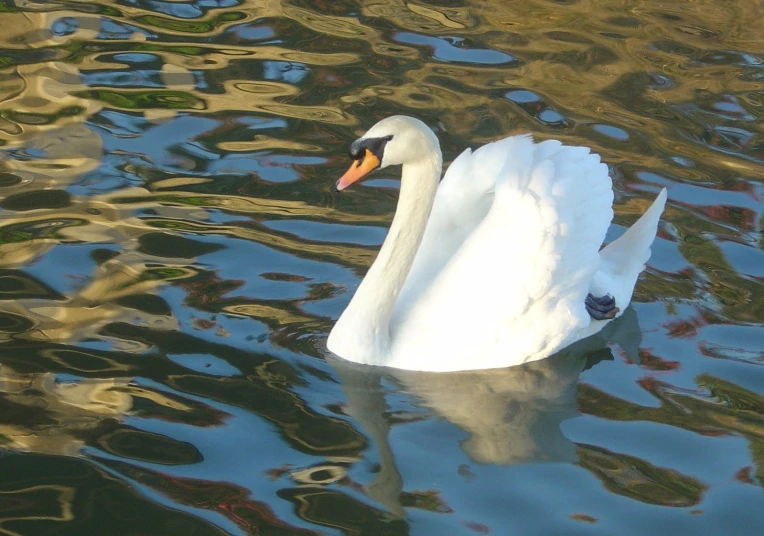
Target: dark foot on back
(602,308)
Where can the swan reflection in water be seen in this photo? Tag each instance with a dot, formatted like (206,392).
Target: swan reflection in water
(511,415)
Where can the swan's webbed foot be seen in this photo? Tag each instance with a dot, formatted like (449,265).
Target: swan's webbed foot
(602,308)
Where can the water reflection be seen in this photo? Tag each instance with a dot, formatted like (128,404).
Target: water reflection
(72,407)
(510,416)
(172,256)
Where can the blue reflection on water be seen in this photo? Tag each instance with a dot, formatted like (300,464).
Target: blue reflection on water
(455,49)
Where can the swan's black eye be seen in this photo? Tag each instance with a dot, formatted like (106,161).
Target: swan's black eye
(357,149)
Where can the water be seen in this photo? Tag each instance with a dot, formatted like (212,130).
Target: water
(172,256)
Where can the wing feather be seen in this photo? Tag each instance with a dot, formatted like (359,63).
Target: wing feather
(525,263)
(464,197)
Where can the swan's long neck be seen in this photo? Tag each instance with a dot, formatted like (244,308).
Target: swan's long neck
(362,333)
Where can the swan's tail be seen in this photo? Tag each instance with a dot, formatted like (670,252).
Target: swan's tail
(631,251)
(622,260)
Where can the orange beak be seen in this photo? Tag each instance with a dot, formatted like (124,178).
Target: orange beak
(358,169)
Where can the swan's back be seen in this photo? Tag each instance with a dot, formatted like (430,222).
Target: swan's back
(507,258)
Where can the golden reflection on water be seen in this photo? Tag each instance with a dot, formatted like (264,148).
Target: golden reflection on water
(150,150)
(69,409)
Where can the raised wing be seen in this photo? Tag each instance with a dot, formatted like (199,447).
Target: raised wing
(463,199)
(517,281)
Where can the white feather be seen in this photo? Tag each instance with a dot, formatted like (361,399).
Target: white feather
(510,252)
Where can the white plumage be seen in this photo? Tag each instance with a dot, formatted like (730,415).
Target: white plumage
(498,273)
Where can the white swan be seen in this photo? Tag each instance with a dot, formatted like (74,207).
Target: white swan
(497,266)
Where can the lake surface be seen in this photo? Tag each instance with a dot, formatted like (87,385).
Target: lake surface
(173,255)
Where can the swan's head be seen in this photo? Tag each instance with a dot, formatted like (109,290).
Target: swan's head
(394,140)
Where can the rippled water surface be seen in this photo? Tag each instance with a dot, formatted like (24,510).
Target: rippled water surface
(173,255)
